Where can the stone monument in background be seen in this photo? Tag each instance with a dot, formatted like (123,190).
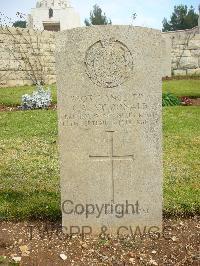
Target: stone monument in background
(110,130)
(53,15)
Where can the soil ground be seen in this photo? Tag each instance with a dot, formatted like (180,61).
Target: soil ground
(4,108)
(195,101)
(41,243)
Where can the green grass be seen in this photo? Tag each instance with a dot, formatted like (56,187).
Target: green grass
(12,96)
(29,174)
(29,169)
(180,88)
(181,126)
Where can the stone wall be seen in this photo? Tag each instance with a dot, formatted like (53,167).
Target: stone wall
(27,57)
(167,60)
(185,56)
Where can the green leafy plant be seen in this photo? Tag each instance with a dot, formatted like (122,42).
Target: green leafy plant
(169,99)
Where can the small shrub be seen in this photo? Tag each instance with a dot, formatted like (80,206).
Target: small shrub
(169,99)
(39,99)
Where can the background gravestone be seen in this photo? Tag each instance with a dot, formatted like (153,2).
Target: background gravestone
(109,101)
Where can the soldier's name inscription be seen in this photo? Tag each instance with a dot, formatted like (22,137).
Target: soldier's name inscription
(109,109)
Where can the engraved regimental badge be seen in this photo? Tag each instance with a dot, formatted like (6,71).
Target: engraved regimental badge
(108,63)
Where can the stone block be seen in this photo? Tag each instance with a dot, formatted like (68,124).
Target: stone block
(179,72)
(188,62)
(193,71)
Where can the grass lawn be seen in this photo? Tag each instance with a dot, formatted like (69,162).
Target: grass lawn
(29,171)
(12,96)
(29,174)
(180,88)
(181,127)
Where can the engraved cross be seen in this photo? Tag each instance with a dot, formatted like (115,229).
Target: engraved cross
(112,157)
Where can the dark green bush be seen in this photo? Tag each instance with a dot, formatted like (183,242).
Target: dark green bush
(169,99)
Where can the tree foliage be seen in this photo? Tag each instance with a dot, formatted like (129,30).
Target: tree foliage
(182,18)
(97,17)
(19,24)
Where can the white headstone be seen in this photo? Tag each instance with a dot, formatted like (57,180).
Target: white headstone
(110,130)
